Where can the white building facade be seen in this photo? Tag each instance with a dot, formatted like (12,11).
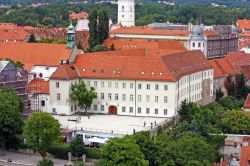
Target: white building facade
(126,12)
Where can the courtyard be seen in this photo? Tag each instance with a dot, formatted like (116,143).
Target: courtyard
(109,123)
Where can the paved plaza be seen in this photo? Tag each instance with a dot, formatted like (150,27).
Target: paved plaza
(109,123)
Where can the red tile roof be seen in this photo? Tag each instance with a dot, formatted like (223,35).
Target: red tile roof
(135,65)
(77,16)
(65,72)
(244,156)
(247,102)
(31,54)
(7,26)
(243,24)
(120,43)
(222,67)
(238,58)
(144,30)
(210,33)
(12,35)
(38,86)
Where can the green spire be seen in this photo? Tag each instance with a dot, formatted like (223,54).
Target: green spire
(71,36)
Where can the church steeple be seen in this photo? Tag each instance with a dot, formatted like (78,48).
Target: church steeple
(71,36)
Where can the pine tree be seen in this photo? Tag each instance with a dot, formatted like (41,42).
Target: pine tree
(241,87)
(32,39)
(219,94)
(93,36)
(103,26)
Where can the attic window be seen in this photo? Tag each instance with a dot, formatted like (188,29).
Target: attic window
(72,67)
(160,73)
(83,69)
(153,73)
(114,71)
(118,72)
(142,73)
(102,71)
(94,70)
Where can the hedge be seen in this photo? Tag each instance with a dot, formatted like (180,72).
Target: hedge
(60,151)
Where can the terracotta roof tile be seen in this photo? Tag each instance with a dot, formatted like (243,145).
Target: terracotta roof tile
(243,24)
(31,54)
(210,33)
(123,44)
(38,86)
(65,72)
(244,156)
(144,30)
(222,67)
(12,35)
(7,26)
(247,102)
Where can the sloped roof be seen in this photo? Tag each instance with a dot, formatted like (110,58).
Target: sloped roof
(222,67)
(120,43)
(145,30)
(38,86)
(238,58)
(3,64)
(7,26)
(13,35)
(243,24)
(65,72)
(31,54)
(244,155)
(210,33)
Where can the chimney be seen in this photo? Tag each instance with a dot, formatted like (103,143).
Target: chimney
(61,62)
(67,61)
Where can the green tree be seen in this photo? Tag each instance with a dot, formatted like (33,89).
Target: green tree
(40,130)
(79,45)
(103,26)
(93,29)
(236,122)
(82,96)
(77,146)
(32,38)
(187,111)
(242,90)
(122,152)
(45,162)
(11,121)
(219,94)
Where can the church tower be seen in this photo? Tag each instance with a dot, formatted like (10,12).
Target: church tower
(71,36)
(126,12)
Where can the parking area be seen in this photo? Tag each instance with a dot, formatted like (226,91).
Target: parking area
(109,123)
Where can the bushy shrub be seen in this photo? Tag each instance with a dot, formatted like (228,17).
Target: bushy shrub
(59,150)
(45,162)
(94,153)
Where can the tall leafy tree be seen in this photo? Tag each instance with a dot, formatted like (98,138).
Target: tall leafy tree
(103,26)
(93,28)
(122,152)
(219,94)
(32,38)
(82,96)
(241,87)
(11,121)
(40,130)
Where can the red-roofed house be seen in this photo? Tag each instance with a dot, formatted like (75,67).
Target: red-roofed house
(39,95)
(244,35)
(13,35)
(133,82)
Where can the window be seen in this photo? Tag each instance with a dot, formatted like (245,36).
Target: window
(165,111)
(124,85)
(72,108)
(57,84)
(102,84)
(102,96)
(147,110)
(139,110)
(130,109)
(156,99)
(193,44)
(123,97)
(58,96)
(139,98)
(95,84)
(116,85)
(148,86)
(102,107)
(131,85)
(156,87)
(131,98)
(199,44)
(43,103)
(147,98)
(139,86)
(165,99)
(109,84)
(116,96)
(165,87)
(75,107)
(156,111)
(123,109)
(123,8)
(109,96)
(95,107)
(88,83)
(131,8)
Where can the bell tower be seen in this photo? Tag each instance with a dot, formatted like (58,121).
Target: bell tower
(126,12)
(71,36)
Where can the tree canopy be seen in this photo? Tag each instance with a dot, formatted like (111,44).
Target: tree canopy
(77,146)
(40,130)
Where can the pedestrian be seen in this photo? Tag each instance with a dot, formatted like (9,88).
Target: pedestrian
(144,123)
(155,123)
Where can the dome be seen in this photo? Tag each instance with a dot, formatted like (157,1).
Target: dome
(234,28)
(197,30)
(71,29)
